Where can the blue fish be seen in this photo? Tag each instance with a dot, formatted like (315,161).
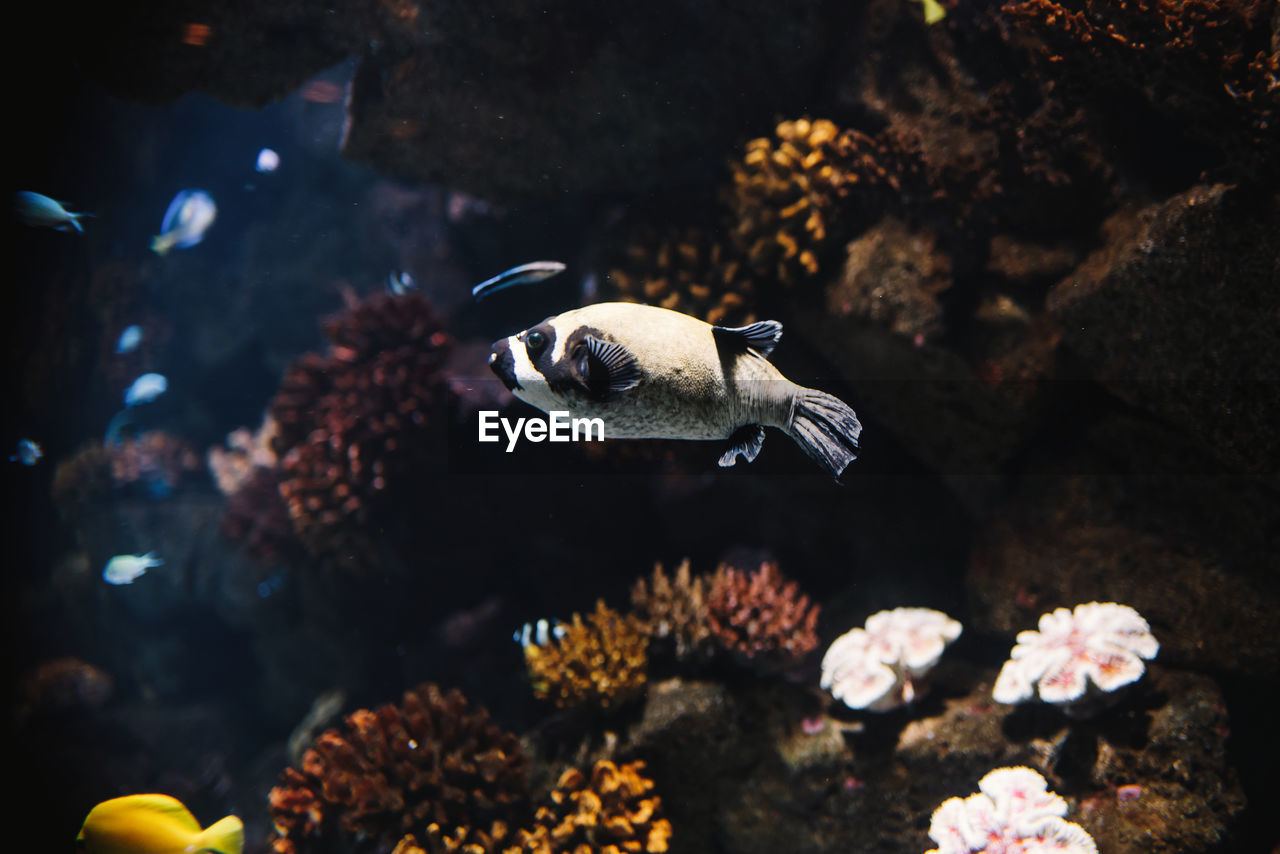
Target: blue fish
(145,389)
(42,211)
(399,284)
(268,161)
(185,221)
(129,340)
(29,453)
(525,274)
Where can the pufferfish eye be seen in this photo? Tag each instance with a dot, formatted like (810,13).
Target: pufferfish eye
(535,342)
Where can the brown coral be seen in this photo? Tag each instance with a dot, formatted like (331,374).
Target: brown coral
(609,812)
(673,611)
(1214,65)
(428,767)
(255,516)
(687,270)
(760,617)
(601,661)
(360,418)
(793,197)
(63,685)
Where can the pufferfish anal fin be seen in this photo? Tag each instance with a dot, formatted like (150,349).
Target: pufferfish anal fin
(745,441)
(761,336)
(607,368)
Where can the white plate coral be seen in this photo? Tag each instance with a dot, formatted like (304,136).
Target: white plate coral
(881,666)
(1015,813)
(1075,655)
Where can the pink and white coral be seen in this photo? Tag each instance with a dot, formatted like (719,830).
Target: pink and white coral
(1093,650)
(880,667)
(1014,814)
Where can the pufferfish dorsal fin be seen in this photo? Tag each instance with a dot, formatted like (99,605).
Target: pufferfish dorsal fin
(761,336)
(746,441)
(607,368)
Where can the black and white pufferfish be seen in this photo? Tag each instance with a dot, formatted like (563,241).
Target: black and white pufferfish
(653,373)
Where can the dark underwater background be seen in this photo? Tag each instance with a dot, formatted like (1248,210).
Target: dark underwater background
(1036,246)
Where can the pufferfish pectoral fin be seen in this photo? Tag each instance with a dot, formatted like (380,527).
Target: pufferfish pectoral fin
(606,368)
(761,336)
(745,441)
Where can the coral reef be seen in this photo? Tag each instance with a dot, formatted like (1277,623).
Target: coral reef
(883,666)
(429,767)
(673,612)
(760,618)
(63,685)
(361,418)
(246,451)
(601,661)
(610,811)
(154,462)
(1014,812)
(688,270)
(1076,655)
(794,197)
(256,517)
(1215,66)
(891,279)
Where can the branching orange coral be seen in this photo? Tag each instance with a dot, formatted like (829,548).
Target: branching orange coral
(601,661)
(428,767)
(792,196)
(688,270)
(673,611)
(612,811)
(760,617)
(1213,63)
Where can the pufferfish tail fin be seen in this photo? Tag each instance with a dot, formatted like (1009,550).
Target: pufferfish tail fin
(225,836)
(826,428)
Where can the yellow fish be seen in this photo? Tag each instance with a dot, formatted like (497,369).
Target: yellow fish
(155,824)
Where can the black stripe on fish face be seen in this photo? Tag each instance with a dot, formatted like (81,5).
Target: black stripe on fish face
(503,363)
(539,344)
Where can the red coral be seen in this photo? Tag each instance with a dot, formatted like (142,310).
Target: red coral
(760,617)
(360,418)
(255,515)
(424,767)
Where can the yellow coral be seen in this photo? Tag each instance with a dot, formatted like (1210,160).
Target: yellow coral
(688,270)
(602,660)
(610,812)
(790,193)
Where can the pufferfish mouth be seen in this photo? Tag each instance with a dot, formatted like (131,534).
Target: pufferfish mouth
(503,363)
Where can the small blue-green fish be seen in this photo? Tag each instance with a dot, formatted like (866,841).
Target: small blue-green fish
(401,283)
(29,453)
(186,220)
(124,569)
(268,161)
(525,274)
(155,824)
(43,212)
(145,389)
(540,635)
(129,339)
